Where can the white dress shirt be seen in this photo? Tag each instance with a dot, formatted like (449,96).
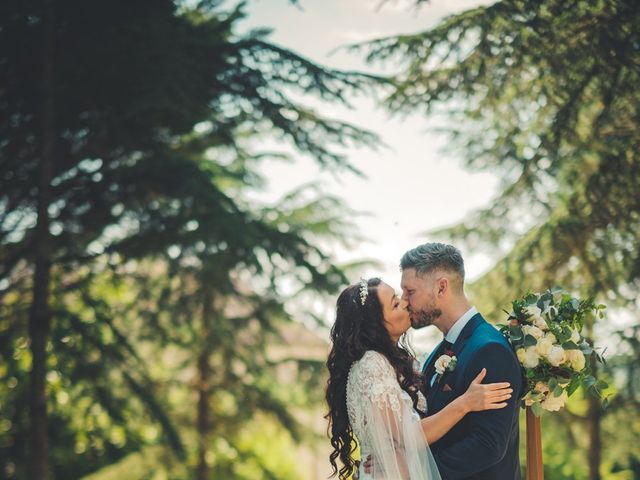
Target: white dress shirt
(455,330)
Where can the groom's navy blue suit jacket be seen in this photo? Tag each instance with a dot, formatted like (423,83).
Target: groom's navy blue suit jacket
(483,445)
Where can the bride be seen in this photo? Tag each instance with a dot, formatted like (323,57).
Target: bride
(374,394)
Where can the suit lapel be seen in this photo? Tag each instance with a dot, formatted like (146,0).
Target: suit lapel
(457,348)
(466,333)
(432,358)
(428,370)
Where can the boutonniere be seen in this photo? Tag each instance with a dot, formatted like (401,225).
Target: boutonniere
(445,363)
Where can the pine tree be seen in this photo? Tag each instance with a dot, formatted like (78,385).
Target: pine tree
(99,102)
(546,93)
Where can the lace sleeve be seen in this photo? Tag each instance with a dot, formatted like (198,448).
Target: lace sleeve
(390,429)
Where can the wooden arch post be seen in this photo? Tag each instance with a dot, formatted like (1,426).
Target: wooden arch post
(535,470)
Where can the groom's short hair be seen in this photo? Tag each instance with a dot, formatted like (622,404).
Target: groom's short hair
(430,257)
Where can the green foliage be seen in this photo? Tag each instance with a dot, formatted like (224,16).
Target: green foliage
(161,265)
(546,93)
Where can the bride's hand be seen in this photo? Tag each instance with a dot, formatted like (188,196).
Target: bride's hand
(491,396)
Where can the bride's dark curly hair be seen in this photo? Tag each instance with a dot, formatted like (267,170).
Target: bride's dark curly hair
(359,328)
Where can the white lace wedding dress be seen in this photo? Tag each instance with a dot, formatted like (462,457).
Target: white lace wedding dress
(386,425)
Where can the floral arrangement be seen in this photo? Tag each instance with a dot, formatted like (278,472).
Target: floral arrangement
(545,331)
(446,363)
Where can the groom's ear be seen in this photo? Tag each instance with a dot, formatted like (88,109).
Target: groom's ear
(442,284)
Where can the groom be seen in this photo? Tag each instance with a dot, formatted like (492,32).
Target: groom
(484,445)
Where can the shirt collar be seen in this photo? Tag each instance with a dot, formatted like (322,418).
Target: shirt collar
(454,332)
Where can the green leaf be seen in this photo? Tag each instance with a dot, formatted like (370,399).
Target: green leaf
(601,385)
(564,335)
(595,391)
(586,349)
(573,386)
(545,297)
(536,409)
(570,346)
(589,381)
(515,332)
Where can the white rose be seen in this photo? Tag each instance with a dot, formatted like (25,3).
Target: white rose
(533,311)
(557,356)
(576,359)
(442,363)
(552,403)
(544,346)
(528,400)
(541,387)
(541,324)
(528,357)
(552,338)
(533,331)
(575,336)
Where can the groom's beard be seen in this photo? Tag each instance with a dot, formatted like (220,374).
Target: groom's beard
(424,318)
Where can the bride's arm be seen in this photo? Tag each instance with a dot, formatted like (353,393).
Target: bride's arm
(391,423)
(477,397)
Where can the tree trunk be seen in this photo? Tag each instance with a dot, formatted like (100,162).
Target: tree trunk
(594,420)
(204,389)
(204,372)
(40,315)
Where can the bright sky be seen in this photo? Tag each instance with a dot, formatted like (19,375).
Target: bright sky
(410,187)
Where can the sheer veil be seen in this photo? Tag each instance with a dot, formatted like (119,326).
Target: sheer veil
(387,426)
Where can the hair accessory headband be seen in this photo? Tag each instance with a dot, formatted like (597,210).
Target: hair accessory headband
(364,290)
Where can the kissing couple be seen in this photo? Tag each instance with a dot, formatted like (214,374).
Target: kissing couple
(457,416)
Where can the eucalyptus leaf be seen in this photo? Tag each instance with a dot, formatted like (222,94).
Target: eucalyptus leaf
(564,335)
(573,386)
(589,381)
(536,408)
(515,332)
(601,385)
(586,348)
